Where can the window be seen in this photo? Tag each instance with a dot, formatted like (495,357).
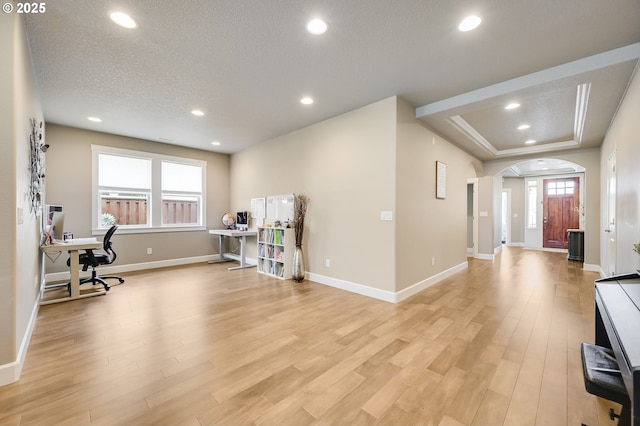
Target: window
(561,187)
(145,191)
(532,204)
(181,193)
(124,188)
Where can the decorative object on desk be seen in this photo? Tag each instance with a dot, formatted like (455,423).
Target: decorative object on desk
(277,224)
(107,219)
(36,167)
(228,220)
(300,202)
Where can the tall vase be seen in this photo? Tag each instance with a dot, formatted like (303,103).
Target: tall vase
(297,272)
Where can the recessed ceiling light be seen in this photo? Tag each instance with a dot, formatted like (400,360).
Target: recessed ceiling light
(216,143)
(95,119)
(316,26)
(469,23)
(512,105)
(306,101)
(523,127)
(123,19)
(197,112)
(530,142)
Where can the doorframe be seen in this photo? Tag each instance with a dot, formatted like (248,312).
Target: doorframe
(474,182)
(507,218)
(610,232)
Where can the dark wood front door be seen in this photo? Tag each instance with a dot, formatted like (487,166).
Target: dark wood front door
(560,201)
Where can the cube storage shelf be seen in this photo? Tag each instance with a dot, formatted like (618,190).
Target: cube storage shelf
(275,252)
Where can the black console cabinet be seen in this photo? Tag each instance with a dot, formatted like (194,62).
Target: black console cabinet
(576,244)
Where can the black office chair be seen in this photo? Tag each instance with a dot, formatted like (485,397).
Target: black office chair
(89,258)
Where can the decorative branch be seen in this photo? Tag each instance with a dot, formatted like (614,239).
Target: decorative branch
(37,147)
(300,202)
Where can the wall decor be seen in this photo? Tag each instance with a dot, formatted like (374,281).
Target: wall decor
(36,167)
(441,180)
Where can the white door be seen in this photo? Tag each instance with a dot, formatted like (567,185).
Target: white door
(506,216)
(610,227)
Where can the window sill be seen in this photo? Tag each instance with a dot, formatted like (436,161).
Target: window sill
(150,230)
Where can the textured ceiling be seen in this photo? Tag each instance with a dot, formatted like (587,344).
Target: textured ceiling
(246,64)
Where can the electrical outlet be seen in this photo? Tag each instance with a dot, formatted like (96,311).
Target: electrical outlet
(433,261)
(327,263)
(149,250)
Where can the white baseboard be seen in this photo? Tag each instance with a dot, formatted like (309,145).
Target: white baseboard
(352,287)
(385,295)
(117,269)
(428,282)
(10,372)
(593,268)
(484,256)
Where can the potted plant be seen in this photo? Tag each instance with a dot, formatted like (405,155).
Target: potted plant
(300,202)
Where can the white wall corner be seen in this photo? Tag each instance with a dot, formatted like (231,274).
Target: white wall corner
(10,372)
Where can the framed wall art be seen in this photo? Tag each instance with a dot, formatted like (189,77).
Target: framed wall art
(441,180)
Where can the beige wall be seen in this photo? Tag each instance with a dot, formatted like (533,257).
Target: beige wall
(69,183)
(19,250)
(624,138)
(379,157)
(428,228)
(346,166)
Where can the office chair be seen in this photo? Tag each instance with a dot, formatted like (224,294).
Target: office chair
(89,258)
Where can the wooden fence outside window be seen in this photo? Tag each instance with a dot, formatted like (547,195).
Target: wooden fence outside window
(133,211)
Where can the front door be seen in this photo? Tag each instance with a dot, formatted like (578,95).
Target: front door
(561,199)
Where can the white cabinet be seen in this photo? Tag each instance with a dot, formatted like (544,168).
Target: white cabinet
(275,252)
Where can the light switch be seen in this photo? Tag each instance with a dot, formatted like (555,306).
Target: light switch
(386,215)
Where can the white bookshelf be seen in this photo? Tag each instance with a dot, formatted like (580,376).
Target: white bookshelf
(275,252)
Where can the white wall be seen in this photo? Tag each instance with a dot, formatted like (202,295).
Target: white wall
(624,138)
(20,258)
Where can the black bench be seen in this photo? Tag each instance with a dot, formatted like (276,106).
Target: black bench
(602,378)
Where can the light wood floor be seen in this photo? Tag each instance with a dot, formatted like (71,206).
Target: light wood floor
(497,344)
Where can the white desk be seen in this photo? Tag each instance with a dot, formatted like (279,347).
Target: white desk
(233,233)
(73,247)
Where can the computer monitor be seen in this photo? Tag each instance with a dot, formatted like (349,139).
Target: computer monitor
(242,220)
(57,225)
(51,209)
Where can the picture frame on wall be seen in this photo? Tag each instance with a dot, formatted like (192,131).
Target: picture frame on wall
(441,180)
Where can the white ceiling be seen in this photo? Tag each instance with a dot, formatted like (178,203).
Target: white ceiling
(246,64)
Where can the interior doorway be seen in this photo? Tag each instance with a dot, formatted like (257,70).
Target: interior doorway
(560,210)
(610,228)
(472,217)
(506,216)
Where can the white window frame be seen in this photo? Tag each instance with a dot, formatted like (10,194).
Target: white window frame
(529,207)
(155,202)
